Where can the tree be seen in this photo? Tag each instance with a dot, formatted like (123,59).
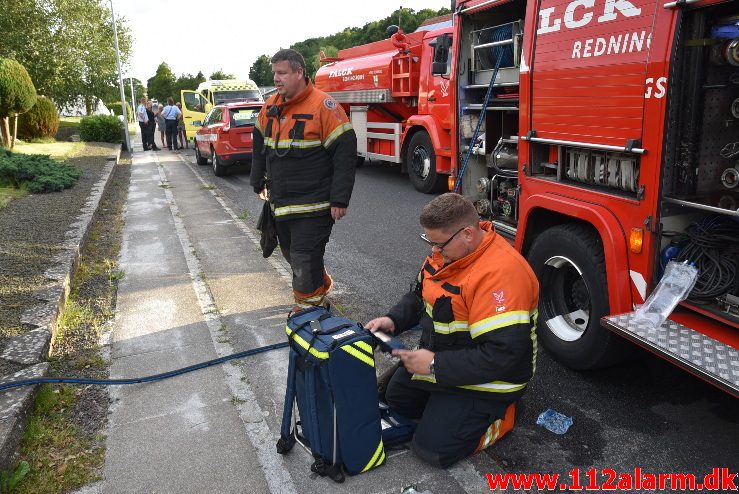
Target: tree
(354,36)
(261,71)
(161,86)
(220,75)
(188,82)
(17,95)
(66,46)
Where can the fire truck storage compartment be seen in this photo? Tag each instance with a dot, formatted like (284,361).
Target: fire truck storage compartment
(485,36)
(700,185)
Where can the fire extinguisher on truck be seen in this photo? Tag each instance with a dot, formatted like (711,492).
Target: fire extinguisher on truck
(599,136)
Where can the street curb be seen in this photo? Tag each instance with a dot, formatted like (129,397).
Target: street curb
(31,349)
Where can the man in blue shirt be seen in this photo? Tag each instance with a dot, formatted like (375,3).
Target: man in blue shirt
(171,115)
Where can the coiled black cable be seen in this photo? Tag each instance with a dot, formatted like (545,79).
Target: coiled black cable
(713,247)
(138,380)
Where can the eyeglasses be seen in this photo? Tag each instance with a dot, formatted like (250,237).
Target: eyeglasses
(440,245)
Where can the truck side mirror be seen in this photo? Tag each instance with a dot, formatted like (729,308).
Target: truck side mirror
(441,54)
(438,68)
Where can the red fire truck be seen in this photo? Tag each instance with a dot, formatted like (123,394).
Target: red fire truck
(601,137)
(400,111)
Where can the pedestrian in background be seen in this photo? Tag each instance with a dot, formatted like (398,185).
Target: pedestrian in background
(143,121)
(181,129)
(150,127)
(171,116)
(303,163)
(160,123)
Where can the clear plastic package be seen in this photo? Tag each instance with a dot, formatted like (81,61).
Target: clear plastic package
(676,283)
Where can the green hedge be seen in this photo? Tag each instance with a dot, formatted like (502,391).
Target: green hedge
(101,128)
(38,172)
(115,107)
(41,121)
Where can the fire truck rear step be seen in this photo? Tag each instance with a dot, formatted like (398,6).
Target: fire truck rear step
(695,352)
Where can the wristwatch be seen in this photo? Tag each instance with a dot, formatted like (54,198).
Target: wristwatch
(431,366)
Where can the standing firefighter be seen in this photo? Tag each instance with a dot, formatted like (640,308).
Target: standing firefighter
(475,300)
(304,155)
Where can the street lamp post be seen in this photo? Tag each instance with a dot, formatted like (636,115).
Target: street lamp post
(120,81)
(133,95)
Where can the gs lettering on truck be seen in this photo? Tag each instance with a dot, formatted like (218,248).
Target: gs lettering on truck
(606,27)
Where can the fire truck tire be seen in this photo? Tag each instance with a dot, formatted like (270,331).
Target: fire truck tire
(360,162)
(573,296)
(218,169)
(199,158)
(421,164)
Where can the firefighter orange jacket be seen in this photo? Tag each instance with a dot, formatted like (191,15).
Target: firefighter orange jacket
(478,314)
(304,152)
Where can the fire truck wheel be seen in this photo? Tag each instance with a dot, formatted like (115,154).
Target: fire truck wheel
(218,168)
(569,262)
(360,162)
(421,164)
(199,158)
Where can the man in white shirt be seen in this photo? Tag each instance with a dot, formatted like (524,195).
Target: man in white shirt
(171,115)
(143,120)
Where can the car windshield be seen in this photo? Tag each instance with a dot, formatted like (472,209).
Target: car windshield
(227,96)
(243,116)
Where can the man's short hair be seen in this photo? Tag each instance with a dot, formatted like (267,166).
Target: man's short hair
(448,212)
(294,58)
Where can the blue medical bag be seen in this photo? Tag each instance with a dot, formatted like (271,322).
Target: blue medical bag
(332,382)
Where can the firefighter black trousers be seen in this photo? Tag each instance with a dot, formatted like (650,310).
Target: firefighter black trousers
(450,425)
(303,243)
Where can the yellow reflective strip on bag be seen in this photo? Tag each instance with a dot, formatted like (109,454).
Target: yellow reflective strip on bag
(365,346)
(495,387)
(378,452)
(500,321)
(300,341)
(359,354)
(380,460)
(301,208)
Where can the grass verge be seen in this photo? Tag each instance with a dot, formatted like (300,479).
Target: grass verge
(57,150)
(64,444)
(8,193)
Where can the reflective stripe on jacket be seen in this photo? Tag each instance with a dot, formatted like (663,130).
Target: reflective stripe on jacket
(305,154)
(478,314)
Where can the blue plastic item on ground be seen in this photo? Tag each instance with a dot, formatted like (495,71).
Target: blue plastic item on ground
(554,421)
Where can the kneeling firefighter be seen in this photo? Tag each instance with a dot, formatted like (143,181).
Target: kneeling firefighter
(304,155)
(476,301)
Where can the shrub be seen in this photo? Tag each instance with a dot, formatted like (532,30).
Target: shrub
(42,120)
(101,128)
(38,172)
(17,94)
(115,107)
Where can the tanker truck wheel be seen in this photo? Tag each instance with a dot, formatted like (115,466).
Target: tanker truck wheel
(421,165)
(573,295)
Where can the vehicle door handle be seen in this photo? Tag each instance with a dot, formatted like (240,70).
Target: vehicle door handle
(188,117)
(431,98)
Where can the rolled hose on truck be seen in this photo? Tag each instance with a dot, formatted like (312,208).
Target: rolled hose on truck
(145,379)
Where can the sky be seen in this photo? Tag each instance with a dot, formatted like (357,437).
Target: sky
(231,34)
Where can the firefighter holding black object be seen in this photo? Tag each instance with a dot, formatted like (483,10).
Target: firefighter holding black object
(303,163)
(476,300)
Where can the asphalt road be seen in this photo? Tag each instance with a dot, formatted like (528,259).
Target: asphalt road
(643,413)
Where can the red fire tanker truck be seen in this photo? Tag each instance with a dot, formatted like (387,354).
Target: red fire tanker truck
(602,138)
(400,111)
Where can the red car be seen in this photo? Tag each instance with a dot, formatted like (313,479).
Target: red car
(225,136)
